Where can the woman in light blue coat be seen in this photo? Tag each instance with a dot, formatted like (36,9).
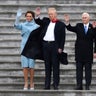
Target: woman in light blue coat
(26,28)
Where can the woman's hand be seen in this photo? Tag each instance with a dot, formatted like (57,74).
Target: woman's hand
(19,13)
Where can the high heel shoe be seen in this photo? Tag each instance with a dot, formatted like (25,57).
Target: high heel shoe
(25,88)
(32,88)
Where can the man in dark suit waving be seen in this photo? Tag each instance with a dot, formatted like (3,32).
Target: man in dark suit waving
(86,34)
(53,36)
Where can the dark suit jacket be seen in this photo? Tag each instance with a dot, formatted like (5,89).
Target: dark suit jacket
(84,42)
(59,31)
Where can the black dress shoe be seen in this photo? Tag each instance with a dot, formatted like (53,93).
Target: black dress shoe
(47,88)
(87,88)
(79,88)
(55,87)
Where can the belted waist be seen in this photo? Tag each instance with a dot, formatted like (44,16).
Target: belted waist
(49,41)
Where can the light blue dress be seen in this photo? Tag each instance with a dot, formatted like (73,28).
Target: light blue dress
(26,28)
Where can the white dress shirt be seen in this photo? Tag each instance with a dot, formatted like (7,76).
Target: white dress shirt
(87,25)
(49,36)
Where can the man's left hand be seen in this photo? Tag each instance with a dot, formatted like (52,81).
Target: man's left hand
(94,55)
(59,50)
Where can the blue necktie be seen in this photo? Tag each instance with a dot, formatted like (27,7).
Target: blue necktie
(86,29)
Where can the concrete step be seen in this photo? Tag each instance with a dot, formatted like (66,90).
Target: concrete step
(10,50)
(40,86)
(41,92)
(47,2)
(59,7)
(75,15)
(10,43)
(16,50)
(39,64)
(73,20)
(12,31)
(66,79)
(15,43)
(12,36)
(11,57)
(11,74)
(10,64)
(17,37)
(16,60)
(64,69)
(10,16)
(17,64)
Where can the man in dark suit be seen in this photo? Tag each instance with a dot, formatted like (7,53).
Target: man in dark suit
(83,48)
(53,37)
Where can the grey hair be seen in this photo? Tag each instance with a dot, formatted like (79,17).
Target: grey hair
(85,13)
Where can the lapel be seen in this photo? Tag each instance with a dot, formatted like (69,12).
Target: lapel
(46,26)
(82,30)
(56,27)
(89,27)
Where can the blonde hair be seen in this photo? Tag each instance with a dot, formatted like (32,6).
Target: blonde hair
(52,9)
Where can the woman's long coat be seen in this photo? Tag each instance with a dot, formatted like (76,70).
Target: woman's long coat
(33,47)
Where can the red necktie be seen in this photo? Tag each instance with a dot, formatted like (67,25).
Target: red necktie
(54,21)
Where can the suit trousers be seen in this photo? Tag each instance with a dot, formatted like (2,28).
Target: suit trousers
(51,63)
(79,73)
